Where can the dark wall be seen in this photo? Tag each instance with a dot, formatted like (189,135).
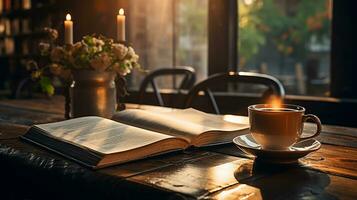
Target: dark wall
(94,16)
(343,55)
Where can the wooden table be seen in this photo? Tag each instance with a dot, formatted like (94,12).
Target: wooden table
(221,172)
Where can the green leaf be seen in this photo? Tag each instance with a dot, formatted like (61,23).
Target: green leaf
(46,85)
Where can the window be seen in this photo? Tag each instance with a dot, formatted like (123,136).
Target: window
(289,39)
(168,34)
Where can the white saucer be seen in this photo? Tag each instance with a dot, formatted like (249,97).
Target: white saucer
(291,155)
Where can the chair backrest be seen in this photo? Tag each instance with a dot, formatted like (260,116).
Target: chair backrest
(189,78)
(273,84)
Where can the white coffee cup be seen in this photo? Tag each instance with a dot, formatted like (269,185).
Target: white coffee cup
(279,128)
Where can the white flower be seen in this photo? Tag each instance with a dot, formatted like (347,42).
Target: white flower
(44,48)
(101,62)
(52,33)
(131,52)
(119,51)
(85,48)
(97,49)
(98,42)
(135,58)
(122,69)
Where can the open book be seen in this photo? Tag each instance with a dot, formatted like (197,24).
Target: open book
(134,134)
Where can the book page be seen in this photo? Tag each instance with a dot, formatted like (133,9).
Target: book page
(212,121)
(187,123)
(102,135)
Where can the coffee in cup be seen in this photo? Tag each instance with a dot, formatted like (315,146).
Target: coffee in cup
(280,127)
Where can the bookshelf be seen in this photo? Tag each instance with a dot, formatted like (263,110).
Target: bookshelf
(21,29)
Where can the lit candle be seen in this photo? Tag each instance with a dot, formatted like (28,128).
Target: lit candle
(1,6)
(68,30)
(26,4)
(121,25)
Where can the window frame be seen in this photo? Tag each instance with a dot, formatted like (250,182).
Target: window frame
(222,57)
(342,84)
(343,60)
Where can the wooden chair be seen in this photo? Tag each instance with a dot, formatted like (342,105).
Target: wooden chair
(189,78)
(273,84)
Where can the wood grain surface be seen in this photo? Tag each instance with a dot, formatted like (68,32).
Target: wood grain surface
(221,172)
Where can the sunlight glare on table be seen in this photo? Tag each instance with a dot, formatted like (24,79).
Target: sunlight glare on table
(236,119)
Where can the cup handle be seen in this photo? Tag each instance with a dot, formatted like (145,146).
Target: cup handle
(317,121)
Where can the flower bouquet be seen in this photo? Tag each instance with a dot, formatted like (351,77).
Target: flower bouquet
(88,68)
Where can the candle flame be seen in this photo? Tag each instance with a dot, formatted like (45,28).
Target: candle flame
(121,11)
(275,102)
(68,17)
